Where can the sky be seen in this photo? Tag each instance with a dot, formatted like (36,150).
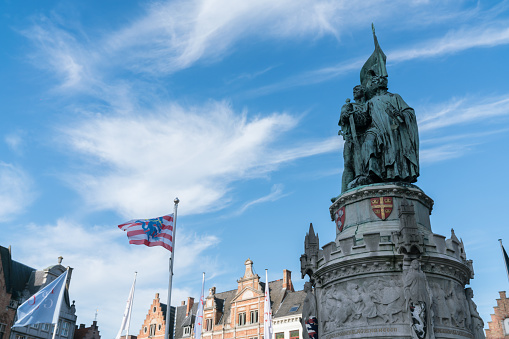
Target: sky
(110,110)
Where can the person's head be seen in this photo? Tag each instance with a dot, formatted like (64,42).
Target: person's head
(307,286)
(358,92)
(415,264)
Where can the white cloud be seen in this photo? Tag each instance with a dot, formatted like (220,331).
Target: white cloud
(497,33)
(104,266)
(275,194)
(463,111)
(16,191)
(195,153)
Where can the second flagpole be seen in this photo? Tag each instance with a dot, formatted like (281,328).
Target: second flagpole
(168,303)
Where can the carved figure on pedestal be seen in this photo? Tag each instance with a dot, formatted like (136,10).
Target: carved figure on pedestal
(477,324)
(418,300)
(439,306)
(394,301)
(309,313)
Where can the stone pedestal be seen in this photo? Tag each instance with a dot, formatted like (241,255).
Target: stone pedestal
(387,275)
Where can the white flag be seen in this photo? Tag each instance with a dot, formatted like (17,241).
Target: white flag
(198,322)
(267,313)
(44,306)
(126,320)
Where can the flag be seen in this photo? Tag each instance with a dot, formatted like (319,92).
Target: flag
(267,313)
(44,306)
(506,258)
(126,320)
(150,232)
(198,322)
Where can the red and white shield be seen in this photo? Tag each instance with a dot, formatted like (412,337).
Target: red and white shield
(340,218)
(382,207)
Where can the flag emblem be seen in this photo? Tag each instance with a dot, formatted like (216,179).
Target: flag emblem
(382,207)
(150,232)
(340,218)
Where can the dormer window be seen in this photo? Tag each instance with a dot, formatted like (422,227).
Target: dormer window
(187,331)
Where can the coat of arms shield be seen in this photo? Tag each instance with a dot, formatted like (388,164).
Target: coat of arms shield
(382,207)
(340,218)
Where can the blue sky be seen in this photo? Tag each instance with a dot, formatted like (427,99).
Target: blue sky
(112,109)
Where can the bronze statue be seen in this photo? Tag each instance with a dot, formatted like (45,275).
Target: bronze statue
(380,131)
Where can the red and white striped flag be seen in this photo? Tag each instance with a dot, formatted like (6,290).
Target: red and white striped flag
(150,232)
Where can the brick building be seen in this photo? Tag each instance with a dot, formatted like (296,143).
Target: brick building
(239,313)
(154,325)
(17,283)
(499,324)
(91,332)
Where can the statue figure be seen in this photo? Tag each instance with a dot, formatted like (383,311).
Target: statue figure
(380,130)
(309,313)
(477,324)
(418,300)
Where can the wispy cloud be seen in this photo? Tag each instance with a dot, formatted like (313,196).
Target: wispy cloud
(106,272)
(16,190)
(15,141)
(275,194)
(484,35)
(463,111)
(141,161)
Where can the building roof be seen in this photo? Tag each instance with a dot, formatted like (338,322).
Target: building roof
(16,274)
(291,301)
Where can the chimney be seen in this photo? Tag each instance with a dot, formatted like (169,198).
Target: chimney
(183,303)
(157,295)
(190,302)
(94,324)
(287,280)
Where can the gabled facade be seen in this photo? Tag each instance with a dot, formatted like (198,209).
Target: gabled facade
(499,324)
(239,313)
(154,325)
(17,283)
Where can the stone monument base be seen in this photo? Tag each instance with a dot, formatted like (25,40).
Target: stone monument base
(387,275)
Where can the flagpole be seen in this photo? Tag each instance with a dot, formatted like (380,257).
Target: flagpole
(505,260)
(60,299)
(131,307)
(168,303)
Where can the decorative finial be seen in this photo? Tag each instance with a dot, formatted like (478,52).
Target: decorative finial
(60,258)
(176,201)
(373,28)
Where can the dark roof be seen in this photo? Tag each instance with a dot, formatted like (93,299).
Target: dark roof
(16,274)
(292,299)
(181,320)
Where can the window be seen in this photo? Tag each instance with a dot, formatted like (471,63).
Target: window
(152,330)
(187,331)
(254,316)
(294,334)
(506,326)
(159,327)
(20,336)
(294,308)
(208,324)
(145,329)
(34,325)
(2,330)
(154,309)
(280,335)
(242,318)
(65,329)
(45,327)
